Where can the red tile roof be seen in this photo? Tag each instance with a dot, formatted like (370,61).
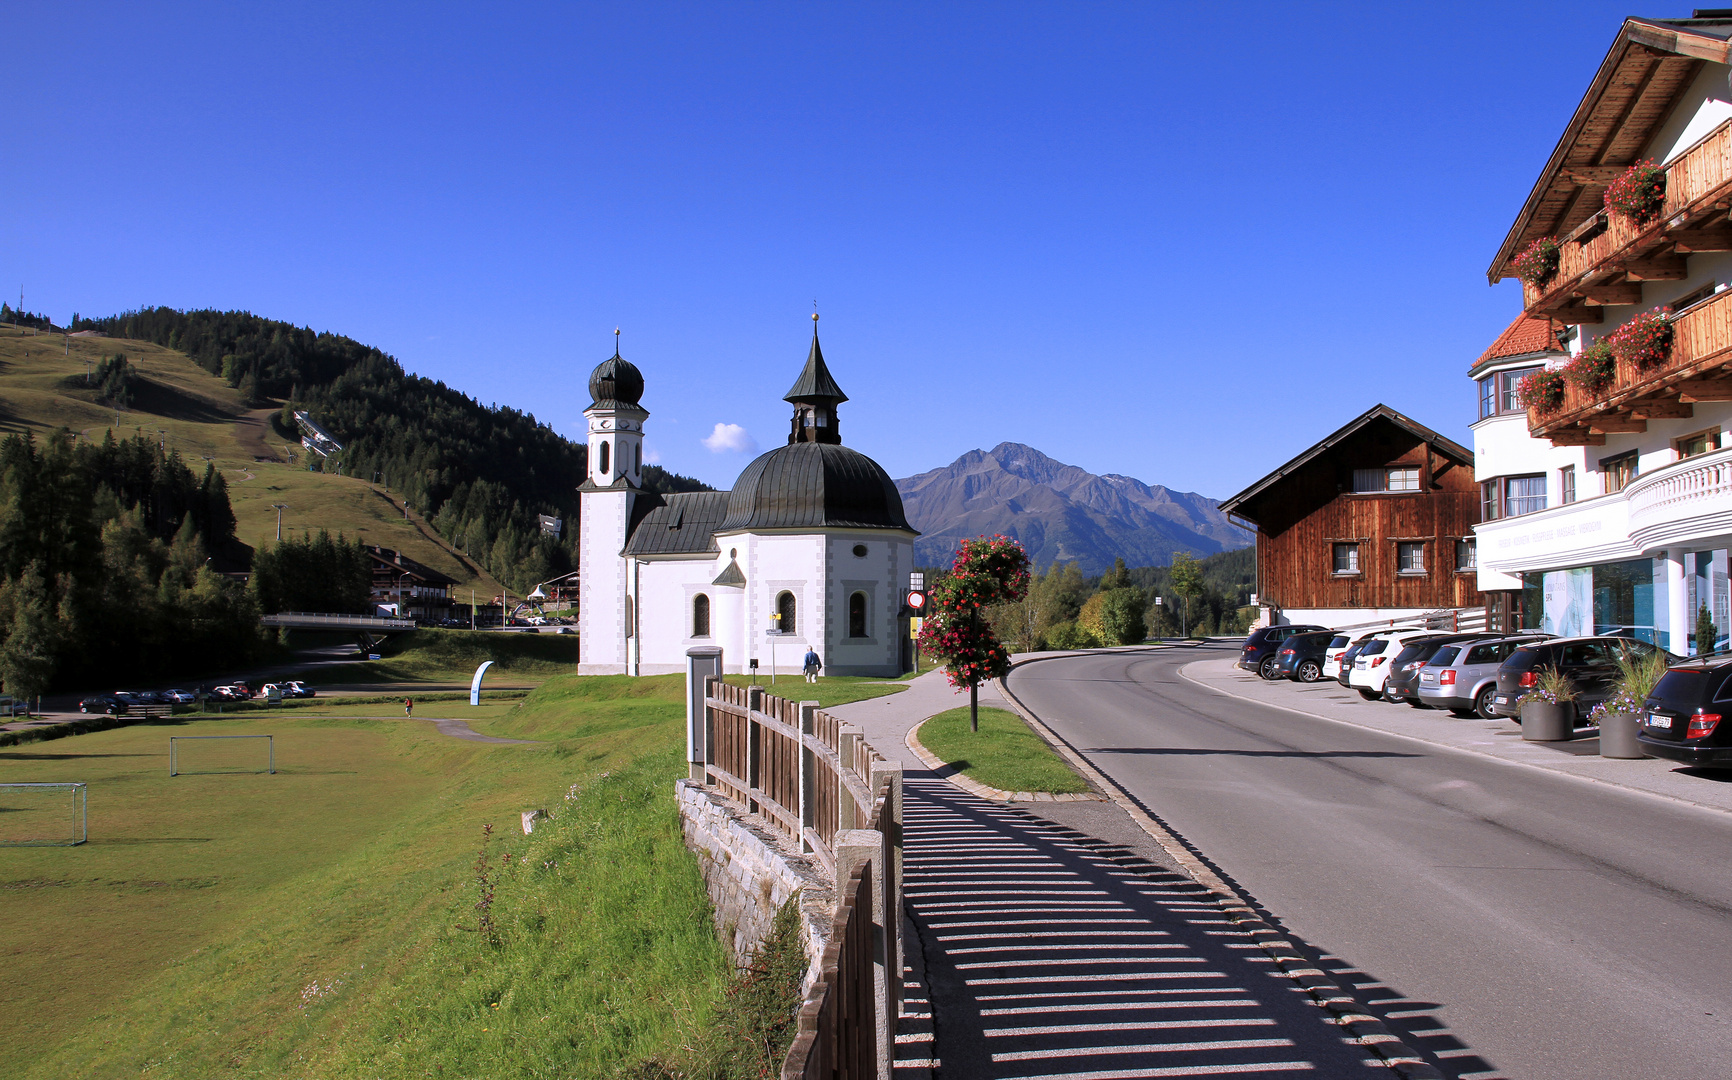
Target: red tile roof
(1525,335)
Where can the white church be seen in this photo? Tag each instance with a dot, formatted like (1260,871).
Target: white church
(810,548)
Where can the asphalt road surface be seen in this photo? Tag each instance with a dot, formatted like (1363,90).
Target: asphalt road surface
(1512,921)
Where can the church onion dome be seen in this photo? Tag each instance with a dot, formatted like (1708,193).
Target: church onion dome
(615,383)
(814,485)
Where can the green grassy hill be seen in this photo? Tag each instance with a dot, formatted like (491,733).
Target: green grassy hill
(197,413)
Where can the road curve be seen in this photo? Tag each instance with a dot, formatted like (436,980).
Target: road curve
(1513,922)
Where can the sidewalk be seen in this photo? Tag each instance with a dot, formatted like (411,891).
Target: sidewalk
(1499,739)
(1059,939)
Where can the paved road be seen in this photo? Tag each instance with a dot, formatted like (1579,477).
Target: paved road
(1517,923)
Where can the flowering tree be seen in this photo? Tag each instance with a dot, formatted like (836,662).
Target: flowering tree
(987,570)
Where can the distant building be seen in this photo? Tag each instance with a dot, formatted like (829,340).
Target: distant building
(408,589)
(811,543)
(1374,522)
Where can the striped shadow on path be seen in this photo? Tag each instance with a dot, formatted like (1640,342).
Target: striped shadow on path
(1048,954)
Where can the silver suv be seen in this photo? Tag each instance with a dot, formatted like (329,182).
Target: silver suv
(1463,678)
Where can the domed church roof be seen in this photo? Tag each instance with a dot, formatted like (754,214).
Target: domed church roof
(615,383)
(814,485)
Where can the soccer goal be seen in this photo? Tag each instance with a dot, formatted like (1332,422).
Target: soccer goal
(44,815)
(221,754)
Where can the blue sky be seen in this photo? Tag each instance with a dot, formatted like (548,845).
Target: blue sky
(1180,242)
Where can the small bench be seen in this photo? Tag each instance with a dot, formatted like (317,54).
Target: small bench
(146,710)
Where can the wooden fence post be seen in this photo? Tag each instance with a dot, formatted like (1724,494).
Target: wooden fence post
(887,778)
(808,776)
(754,747)
(848,752)
(853,847)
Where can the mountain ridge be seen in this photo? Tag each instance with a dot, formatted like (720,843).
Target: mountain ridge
(1059,512)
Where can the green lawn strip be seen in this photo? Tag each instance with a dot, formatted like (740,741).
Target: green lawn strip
(323,922)
(453,655)
(827,691)
(1004,753)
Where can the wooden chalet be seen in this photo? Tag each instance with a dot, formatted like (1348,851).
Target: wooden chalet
(1376,521)
(415,590)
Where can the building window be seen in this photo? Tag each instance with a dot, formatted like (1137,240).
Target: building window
(1488,396)
(637,458)
(1509,398)
(601,460)
(857,615)
(1402,478)
(785,612)
(1701,442)
(1410,556)
(1524,495)
(1466,554)
(700,616)
(859,551)
(1347,558)
(1695,296)
(1488,504)
(1567,484)
(1618,471)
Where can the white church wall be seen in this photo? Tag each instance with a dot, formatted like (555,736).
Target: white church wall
(774,564)
(602,587)
(873,564)
(667,589)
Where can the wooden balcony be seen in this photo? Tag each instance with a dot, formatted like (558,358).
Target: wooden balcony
(1700,369)
(1605,260)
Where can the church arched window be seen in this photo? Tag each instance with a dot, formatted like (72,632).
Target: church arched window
(700,616)
(785,608)
(857,615)
(601,460)
(637,458)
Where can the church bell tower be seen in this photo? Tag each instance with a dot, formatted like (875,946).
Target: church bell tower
(607,615)
(815,396)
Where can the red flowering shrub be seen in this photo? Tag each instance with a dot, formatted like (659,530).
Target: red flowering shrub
(1594,369)
(1640,193)
(1542,391)
(1645,340)
(986,571)
(1538,262)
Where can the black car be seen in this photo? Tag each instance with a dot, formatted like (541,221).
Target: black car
(1259,654)
(1590,662)
(1688,717)
(1348,655)
(1403,681)
(1300,657)
(101,703)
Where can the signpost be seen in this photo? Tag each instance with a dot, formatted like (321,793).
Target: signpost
(915,601)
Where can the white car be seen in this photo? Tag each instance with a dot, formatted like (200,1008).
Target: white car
(1332,655)
(1371,667)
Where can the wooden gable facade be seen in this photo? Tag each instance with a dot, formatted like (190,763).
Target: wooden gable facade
(1326,540)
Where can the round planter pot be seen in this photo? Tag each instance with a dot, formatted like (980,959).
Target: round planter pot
(1618,736)
(1543,721)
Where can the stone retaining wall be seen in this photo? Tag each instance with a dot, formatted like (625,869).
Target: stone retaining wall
(751,872)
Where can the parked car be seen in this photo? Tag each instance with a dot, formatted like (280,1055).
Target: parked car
(1300,657)
(180,697)
(1259,652)
(1338,645)
(229,693)
(1689,714)
(1371,666)
(1463,678)
(1590,662)
(101,703)
(297,689)
(1403,681)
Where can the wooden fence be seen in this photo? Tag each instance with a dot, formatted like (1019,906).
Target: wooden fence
(816,781)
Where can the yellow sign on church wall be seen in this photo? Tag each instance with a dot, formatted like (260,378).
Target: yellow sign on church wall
(914,627)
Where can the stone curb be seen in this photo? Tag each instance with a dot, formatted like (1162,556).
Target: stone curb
(1342,1009)
(974,787)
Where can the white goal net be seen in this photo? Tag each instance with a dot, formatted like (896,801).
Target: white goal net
(44,815)
(193,754)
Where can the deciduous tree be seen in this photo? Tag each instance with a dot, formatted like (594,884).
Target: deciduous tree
(987,571)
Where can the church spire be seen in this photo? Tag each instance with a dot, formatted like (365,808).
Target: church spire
(815,396)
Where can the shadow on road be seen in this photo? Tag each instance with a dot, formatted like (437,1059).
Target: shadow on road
(1187,750)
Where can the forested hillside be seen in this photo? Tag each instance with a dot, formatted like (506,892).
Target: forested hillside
(480,473)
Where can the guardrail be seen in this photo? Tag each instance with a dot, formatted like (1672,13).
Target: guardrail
(307,619)
(815,780)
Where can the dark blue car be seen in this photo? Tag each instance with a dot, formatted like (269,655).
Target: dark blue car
(1260,647)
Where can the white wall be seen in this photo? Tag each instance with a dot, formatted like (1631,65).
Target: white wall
(881,574)
(602,586)
(1706,104)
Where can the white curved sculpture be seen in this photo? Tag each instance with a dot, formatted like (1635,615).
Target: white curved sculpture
(475,686)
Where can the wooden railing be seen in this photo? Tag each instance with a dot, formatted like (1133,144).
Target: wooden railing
(1701,347)
(1696,181)
(816,780)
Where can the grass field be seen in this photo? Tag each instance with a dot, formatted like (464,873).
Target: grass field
(1004,753)
(322,922)
(828,690)
(193,411)
(453,655)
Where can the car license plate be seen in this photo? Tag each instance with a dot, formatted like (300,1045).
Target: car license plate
(1656,720)
(1428,676)
(1502,699)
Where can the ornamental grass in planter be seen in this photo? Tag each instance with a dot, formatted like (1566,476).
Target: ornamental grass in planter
(1548,710)
(1538,262)
(1619,716)
(1639,194)
(1646,340)
(1542,391)
(1593,369)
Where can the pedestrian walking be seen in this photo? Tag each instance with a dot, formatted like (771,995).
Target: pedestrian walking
(812,665)
(408,707)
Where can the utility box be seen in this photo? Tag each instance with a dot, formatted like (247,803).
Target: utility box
(703,663)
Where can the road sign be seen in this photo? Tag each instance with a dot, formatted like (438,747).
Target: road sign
(916,601)
(914,626)
(917,582)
